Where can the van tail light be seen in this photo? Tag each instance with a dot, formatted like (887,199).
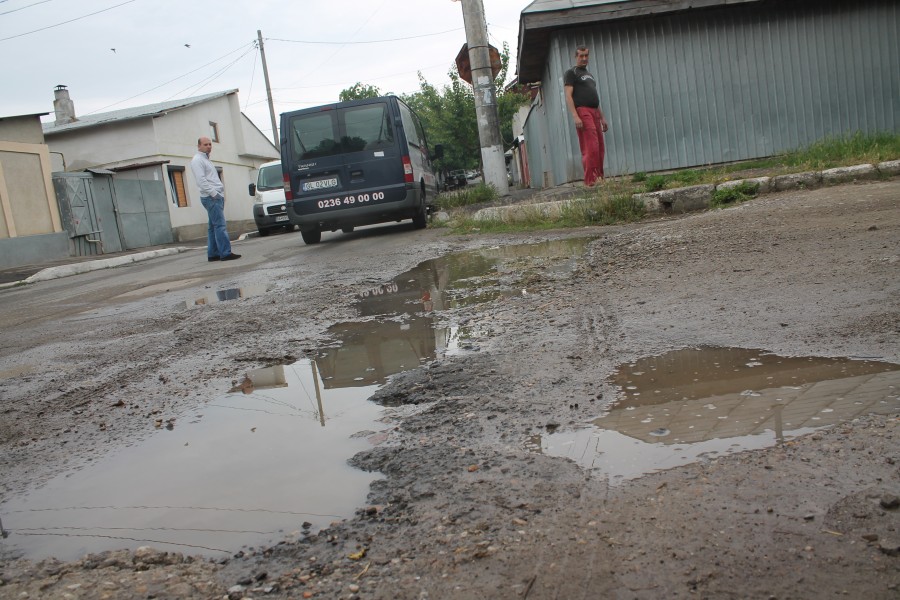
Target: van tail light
(407,170)
(288,195)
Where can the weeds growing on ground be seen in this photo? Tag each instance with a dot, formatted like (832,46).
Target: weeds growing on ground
(478,194)
(737,194)
(611,202)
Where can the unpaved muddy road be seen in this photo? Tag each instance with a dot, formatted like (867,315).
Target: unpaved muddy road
(466,507)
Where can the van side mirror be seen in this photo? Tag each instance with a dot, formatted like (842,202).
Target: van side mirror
(438,151)
(252,189)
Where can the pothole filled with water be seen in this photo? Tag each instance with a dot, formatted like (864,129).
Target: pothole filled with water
(268,460)
(700,403)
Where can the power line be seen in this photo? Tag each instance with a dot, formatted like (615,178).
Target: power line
(24,7)
(412,37)
(12,37)
(212,77)
(169,81)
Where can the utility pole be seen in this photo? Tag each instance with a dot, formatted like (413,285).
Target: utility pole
(262,54)
(485,97)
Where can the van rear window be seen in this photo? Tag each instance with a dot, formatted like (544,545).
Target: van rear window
(366,127)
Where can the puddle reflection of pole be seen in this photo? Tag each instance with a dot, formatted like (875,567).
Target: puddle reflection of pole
(312,364)
(779,425)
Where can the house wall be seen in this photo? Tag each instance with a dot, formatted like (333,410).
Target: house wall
(177,135)
(30,227)
(105,146)
(728,84)
(170,139)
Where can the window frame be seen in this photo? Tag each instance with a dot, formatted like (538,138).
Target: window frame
(175,175)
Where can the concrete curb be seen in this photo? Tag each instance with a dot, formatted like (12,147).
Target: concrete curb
(699,197)
(681,200)
(95,265)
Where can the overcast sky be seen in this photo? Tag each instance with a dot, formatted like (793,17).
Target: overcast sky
(115,54)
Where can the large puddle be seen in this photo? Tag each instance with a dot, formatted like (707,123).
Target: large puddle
(695,404)
(268,460)
(252,466)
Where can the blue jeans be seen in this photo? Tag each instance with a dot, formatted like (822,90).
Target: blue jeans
(218,244)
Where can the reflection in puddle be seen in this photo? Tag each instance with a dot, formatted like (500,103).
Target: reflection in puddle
(690,404)
(229,294)
(401,331)
(271,455)
(255,466)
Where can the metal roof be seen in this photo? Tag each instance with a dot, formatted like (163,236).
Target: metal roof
(128,114)
(542,17)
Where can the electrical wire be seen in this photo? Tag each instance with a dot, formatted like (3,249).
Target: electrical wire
(18,35)
(345,43)
(24,7)
(203,83)
(252,75)
(169,81)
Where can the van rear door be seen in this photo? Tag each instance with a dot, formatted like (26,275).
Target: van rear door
(339,154)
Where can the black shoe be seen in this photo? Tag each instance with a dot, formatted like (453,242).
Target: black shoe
(231,256)
(212,258)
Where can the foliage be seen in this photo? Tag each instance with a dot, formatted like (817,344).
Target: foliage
(448,115)
(739,193)
(359,91)
(477,194)
(654,183)
(841,151)
(603,209)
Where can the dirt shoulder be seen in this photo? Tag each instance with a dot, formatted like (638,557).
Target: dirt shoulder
(467,510)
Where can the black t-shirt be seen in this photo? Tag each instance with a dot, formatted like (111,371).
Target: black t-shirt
(584,88)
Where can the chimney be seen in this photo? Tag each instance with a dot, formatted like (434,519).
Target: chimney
(63,106)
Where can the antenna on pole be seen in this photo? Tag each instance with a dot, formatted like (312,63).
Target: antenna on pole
(262,54)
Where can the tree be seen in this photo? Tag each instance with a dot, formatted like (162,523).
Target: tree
(449,115)
(359,91)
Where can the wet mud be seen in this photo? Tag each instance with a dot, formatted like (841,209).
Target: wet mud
(483,378)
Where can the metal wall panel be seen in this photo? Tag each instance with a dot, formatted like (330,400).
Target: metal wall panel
(144,212)
(726,84)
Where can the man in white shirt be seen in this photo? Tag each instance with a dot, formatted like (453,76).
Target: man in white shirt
(212,196)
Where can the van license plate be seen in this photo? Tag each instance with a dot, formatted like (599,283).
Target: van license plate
(281,218)
(321,184)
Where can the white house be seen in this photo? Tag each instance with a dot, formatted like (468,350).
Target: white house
(155,143)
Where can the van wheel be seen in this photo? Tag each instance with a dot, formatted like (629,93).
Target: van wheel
(312,237)
(420,220)
(347,229)
(263,232)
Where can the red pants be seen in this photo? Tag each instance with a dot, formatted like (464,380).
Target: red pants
(590,139)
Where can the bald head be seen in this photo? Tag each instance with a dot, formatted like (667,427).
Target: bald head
(204,144)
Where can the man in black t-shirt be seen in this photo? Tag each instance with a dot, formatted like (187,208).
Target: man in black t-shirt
(583,103)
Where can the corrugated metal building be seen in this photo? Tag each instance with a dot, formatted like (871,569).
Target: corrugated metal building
(694,82)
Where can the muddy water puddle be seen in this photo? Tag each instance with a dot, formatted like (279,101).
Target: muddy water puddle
(409,321)
(697,404)
(266,461)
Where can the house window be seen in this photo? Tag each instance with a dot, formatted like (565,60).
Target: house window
(214,131)
(176,186)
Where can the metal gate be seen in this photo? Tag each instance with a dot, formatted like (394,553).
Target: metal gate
(87,210)
(143,212)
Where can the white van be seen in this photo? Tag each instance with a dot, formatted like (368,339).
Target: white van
(269,210)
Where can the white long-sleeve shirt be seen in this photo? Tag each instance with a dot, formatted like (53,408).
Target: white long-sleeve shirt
(206,176)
